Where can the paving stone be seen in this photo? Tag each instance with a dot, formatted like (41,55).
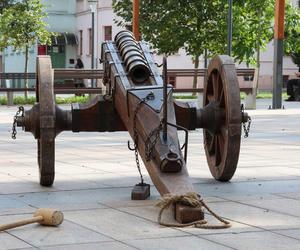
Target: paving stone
(11,205)
(293,233)
(19,185)
(295,195)
(255,240)
(217,189)
(171,243)
(120,225)
(8,241)
(66,233)
(255,217)
(284,206)
(92,246)
(151,213)
(84,199)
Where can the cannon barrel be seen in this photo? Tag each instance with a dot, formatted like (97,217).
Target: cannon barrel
(132,56)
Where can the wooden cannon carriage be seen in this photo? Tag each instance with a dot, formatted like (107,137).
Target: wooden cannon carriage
(139,101)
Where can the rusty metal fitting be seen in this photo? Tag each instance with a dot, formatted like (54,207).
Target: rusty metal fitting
(171,162)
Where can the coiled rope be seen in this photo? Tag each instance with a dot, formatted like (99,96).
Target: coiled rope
(194,200)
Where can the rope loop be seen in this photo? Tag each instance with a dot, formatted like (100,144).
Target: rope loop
(194,200)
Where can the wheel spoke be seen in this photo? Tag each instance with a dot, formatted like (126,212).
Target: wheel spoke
(211,145)
(217,158)
(219,148)
(223,132)
(215,82)
(210,98)
(222,98)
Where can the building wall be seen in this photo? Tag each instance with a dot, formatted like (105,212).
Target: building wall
(75,15)
(61,15)
(14,60)
(1,65)
(105,16)
(61,18)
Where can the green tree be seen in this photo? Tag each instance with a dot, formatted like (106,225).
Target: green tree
(169,25)
(5,4)
(198,25)
(21,25)
(292,33)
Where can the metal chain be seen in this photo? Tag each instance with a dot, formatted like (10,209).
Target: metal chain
(20,112)
(247,128)
(135,139)
(150,96)
(246,124)
(150,144)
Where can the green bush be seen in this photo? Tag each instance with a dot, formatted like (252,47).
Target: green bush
(20,100)
(260,95)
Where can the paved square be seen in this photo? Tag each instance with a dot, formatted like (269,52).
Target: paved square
(95,173)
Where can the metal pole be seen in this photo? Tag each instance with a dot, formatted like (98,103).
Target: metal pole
(205,59)
(135,19)
(93,44)
(278,54)
(165,98)
(229,28)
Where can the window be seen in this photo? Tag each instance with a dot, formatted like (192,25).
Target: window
(90,41)
(80,42)
(172,80)
(107,33)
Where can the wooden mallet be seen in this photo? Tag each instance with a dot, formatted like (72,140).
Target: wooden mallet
(44,216)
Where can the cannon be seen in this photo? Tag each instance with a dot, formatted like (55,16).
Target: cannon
(139,100)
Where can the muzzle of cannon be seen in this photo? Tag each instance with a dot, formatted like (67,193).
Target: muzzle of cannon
(132,56)
(139,101)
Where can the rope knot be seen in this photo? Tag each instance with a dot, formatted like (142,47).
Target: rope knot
(191,199)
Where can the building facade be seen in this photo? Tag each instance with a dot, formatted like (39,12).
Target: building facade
(106,29)
(72,21)
(63,51)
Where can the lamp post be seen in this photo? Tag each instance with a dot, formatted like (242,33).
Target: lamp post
(135,19)
(93,5)
(278,54)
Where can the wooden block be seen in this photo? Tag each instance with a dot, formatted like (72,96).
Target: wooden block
(140,191)
(187,214)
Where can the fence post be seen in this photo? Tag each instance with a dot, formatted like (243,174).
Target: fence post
(10,94)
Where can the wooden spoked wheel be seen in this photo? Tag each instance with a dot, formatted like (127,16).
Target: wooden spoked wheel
(222,145)
(46,141)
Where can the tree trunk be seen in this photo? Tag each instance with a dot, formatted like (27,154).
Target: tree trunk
(196,65)
(25,72)
(257,66)
(258,58)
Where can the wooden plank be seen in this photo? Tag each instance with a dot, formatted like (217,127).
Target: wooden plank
(98,74)
(58,90)
(62,90)
(78,74)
